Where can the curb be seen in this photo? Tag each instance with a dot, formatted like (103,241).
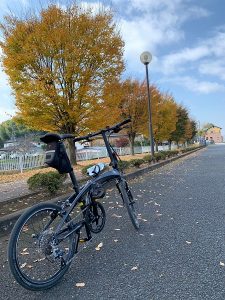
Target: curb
(7,222)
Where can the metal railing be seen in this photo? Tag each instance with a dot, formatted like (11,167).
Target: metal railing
(20,161)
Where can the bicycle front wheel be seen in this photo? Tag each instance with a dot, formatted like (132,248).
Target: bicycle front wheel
(129,203)
(36,258)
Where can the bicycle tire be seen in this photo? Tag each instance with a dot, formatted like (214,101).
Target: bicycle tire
(23,226)
(129,203)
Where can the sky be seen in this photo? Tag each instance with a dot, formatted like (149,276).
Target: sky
(186,39)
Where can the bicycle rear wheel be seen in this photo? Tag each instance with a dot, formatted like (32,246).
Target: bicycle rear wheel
(36,259)
(129,203)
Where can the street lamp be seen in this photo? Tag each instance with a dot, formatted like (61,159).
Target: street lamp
(146,58)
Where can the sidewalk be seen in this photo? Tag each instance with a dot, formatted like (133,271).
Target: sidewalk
(18,189)
(13,190)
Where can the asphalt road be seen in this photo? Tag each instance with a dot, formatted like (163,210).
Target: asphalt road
(179,252)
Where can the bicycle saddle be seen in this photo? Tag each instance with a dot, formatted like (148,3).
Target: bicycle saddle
(50,137)
(55,137)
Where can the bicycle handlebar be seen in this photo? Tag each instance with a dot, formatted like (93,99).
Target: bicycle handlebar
(123,122)
(116,128)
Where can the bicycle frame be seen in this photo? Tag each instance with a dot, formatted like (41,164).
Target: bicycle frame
(76,198)
(79,194)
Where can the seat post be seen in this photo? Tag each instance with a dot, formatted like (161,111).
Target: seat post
(74,181)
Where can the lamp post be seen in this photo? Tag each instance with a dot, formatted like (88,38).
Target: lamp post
(146,58)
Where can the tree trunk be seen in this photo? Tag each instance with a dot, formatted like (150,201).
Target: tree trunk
(156,146)
(72,152)
(131,139)
(170,144)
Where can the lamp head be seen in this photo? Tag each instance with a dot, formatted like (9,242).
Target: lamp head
(146,57)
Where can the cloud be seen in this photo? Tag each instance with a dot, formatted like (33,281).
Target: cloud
(7,108)
(6,114)
(151,25)
(214,68)
(195,85)
(206,58)
(95,7)
(175,62)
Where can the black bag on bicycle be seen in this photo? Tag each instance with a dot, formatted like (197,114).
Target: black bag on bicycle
(55,155)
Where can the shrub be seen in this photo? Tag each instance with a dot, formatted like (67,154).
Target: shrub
(137,162)
(159,155)
(50,181)
(187,149)
(165,153)
(174,152)
(148,158)
(123,164)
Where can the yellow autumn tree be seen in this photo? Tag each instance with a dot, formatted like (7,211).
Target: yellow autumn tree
(164,116)
(164,123)
(59,63)
(133,104)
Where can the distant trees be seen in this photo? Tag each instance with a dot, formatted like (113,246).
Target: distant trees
(186,128)
(170,121)
(11,129)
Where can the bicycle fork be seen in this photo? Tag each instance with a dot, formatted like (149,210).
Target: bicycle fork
(127,190)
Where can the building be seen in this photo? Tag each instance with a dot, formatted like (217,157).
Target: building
(213,135)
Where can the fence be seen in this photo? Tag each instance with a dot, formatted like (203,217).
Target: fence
(89,153)
(20,162)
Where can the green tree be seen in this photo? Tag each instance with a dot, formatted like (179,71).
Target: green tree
(58,63)
(178,135)
(1,143)
(10,129)
(190,130)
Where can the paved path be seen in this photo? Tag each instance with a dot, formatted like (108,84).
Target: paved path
(18,188)
(12,190)
(179,252)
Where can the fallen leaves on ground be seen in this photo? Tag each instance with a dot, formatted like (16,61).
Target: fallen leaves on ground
(99,246)
(80,284)
(116,216)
